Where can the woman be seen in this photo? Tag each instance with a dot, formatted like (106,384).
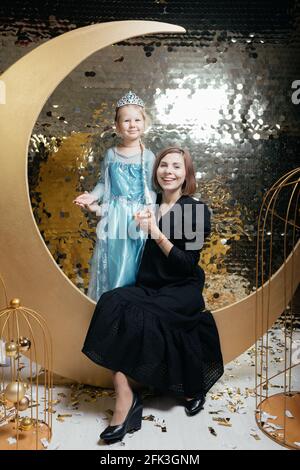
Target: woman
(157,331)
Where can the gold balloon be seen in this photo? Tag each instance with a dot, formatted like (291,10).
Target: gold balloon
(26,423)
(15,303)
(14,391)
(23,404)
(11,349)
(24,343)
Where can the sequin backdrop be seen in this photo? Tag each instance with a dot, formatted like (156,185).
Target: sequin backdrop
(224,90)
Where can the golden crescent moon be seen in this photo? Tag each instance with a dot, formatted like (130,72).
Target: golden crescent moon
(29,271)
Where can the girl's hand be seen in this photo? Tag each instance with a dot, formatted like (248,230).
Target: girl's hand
(84,199)
(96,208)
(146,220)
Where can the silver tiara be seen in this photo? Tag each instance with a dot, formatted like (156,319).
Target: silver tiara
(130,98)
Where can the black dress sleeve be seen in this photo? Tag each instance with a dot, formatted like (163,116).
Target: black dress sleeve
(181,256)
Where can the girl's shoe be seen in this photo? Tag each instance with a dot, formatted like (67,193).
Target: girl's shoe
(192,407)
(133,422)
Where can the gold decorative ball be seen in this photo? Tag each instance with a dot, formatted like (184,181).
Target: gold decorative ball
(24,343)
(15,303)
(23,404)
(14,391)
(26,385)
(4,402)
(11,349)
(26,423)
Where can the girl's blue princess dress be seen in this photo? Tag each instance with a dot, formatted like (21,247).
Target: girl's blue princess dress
(120,243)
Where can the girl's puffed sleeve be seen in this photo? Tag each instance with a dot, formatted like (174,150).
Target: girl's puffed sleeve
(149,171)
(98,190)
(182,256)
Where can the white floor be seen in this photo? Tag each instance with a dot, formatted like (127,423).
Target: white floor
(169,427)
(80,413)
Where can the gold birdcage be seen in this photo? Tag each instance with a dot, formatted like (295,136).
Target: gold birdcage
(277,356)
(26,379)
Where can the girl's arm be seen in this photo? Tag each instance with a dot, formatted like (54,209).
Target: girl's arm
(97,193)
(94,207)
(98,190)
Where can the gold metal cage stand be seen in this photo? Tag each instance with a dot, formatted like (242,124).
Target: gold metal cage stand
(277,358)
(26,379)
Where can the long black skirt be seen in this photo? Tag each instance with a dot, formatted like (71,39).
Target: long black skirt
(161,338)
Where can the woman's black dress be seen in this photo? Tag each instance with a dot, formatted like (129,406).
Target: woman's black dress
(158,331)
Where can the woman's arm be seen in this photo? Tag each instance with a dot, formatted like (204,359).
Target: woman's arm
(182,258)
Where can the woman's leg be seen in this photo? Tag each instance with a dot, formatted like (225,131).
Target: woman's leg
(124,397)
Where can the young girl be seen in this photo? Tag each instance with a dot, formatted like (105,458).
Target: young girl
(124,187)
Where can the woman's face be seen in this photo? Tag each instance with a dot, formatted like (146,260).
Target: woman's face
(131,124)
(171,172)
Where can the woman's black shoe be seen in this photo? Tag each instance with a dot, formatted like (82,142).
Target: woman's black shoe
(133,422)
(192,407)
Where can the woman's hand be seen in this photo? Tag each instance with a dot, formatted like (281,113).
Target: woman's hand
(146,220)
(85,199)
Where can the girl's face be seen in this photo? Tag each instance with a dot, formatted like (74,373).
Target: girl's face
(131,124)
(171,172)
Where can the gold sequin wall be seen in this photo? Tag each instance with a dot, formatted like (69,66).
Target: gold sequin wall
(224,90)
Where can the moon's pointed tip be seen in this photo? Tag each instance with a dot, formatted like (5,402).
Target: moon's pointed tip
(168,27)
(171,28)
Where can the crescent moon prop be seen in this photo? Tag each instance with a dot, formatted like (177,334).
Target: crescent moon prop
(27,266)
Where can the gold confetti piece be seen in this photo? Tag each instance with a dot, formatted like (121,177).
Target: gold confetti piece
(162,427)
(256,437)
(64,415)
(54,402)
(109,411)
(148,418)
(212,431)
(51,410)
(223,421)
